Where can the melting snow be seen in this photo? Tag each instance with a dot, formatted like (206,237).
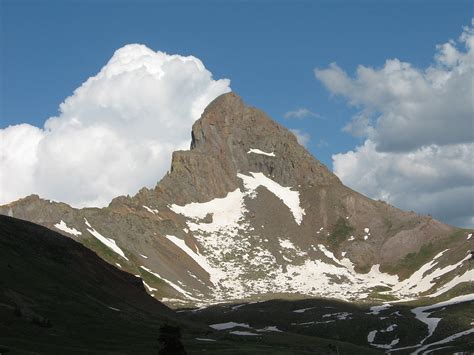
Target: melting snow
(287,244)
(421,281)
(373,333)
(214,274)
(154,211)
(238,306)
(108,242)
(205,339)
(143,256)
(120,266)
(351,238)
(151,289)
(375,310)
(271,328)
(468,276)
(469,236)
(237,332)
(63,227)
(290,198)
(258,151)
(423,313)
(339,316)
(226,212)
(229,325)
(371,336)
(173,285)
(445,340)
(303,310)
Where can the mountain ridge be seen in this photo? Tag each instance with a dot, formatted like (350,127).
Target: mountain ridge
(247,204)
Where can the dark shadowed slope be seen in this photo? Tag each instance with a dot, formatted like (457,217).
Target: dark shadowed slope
(58,296)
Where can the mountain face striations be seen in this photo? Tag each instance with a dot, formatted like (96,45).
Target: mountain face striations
(248,214)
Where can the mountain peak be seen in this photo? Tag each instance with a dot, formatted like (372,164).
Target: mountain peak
(232,138)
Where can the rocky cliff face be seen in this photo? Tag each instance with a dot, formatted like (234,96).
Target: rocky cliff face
(248,213)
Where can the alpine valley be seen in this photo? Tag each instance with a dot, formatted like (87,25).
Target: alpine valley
(257,247)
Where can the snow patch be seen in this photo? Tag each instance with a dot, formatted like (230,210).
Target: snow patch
(303,310)
(338,316)
(271,328)
(445,340)
(467,276)
(423,313)
(226,212)
(229,325)
(108,242)
(422,281)
(214,274)
(290,198)
(287,244)
(154,211)
(238,332)
(371,337)
(173,285)
(261,152)
(375,310)
(63,227)
(149,288)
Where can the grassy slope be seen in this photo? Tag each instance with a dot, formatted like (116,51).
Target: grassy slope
(409,330)
(55,296)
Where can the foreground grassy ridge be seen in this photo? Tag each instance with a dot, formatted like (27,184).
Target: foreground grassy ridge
(413,261)
(58,297)
(354,325)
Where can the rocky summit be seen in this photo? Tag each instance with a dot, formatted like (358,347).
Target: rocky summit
(248,214)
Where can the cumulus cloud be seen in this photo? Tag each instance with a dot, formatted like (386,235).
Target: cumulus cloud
(303,138)
(418,152)
(430,180)
(301,113)
(403,107)
(114,134)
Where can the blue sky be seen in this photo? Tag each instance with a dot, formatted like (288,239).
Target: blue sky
(269,51)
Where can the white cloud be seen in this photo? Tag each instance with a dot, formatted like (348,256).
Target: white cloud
(114,135)
(430,180)
(403,107)
(418,153)
(301,113)
(303,138)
